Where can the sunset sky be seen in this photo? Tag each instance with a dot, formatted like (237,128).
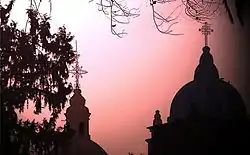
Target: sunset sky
(130,78)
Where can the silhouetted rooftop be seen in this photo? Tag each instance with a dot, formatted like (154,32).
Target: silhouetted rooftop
(207,95)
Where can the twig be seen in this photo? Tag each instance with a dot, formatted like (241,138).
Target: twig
(118,13)
(202,10)
(160,20)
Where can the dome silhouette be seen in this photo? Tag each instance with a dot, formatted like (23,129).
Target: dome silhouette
(78,116)
(218,100)
(87,147)
(207,96)
(77,98)
(206,70)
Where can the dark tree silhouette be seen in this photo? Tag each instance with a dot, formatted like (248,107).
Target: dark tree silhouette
(35,6)
(34,68)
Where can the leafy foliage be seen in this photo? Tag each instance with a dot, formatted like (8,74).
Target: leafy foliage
(34,68)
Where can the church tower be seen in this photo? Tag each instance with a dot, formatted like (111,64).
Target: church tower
(78,116)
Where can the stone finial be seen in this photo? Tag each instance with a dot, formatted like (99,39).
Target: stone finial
(157,118)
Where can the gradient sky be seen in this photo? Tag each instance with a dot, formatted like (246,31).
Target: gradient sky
(130,78)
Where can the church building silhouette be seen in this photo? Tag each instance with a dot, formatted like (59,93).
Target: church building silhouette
(207,116)
(78,116)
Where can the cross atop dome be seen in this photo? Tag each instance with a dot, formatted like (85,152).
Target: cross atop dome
(206,30)
(77,70)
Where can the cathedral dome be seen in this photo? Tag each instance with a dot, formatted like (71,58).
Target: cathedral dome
(87,147)
(207,96)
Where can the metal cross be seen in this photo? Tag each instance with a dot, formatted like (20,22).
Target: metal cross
(206,30)
(77,70)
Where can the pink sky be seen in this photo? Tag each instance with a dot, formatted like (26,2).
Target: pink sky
(130,78)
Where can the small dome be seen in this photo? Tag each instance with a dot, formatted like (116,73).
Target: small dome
(77,98)
(77,112)
(87,147)
(206,70)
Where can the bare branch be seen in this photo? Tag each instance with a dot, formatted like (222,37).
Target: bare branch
(160,20)
(118,13)
(199,10)
(202,10)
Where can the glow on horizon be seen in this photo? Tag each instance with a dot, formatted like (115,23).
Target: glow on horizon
(130,78)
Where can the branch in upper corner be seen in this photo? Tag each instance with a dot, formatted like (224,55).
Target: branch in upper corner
(35,6)
(118,13)
(164,24)
(202,10)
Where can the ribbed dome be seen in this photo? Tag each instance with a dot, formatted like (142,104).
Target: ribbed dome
(207,95)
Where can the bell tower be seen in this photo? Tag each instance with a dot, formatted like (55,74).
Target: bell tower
(77,115)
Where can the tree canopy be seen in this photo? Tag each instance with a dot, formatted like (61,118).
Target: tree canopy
(35,66)
(34,69)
